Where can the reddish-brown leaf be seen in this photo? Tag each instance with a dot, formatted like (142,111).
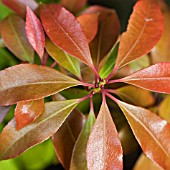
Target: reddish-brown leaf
(13,142)
(160,52)
(144,31)
(152,133)
(108,32)
(64,139)
(74,5)
(35,33)
(19,6)
(14,35)
(155,78)
(65,31)
(89,23)
(27,111)
(103,148)
(29,82)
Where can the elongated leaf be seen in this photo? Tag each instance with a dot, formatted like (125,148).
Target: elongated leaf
(155,78)
(147,125)
(144,31)
(64,139)
(144,163)
(78,160)
(14,36)
(89,23)
(15,142)
(103,148)
(161,53)
(108,32)
(136,96)
(35,33)
(65,32)
(164,108)
(110,62)
(19,6)
(27,111)
(65,60)
(29,81)
(3,112)
(73,5)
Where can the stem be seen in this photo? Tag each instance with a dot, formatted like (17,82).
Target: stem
(110,91)
(112,73)
(111,97)
(91,104)
(86,97)
(54,64)
(96,72)
(103,94)
(115,81)
(87,84)
(44,63)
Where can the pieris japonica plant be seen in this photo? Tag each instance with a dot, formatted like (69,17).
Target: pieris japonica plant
(90,80)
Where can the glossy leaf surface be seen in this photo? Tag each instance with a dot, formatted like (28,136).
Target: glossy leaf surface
(110,62)
(89,23)
(108,32)
(29,81)
(35,33)
(144,163)
(3,112)
(69,35)
(164,108)
(15,142)
(73,5)
(160,52)
(65,60)
(14,35)
(147,125)
(155,78)
(144,31)
(64,139)
(103,148)
(135,95)
(19,6)
(78,160)
(27,111)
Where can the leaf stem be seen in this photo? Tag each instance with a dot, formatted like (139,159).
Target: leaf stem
(114,81)
(87,84)
(91,104)
(44,63)
(111,97)
(86,97)
(112,73)
(110,91)
(53,64)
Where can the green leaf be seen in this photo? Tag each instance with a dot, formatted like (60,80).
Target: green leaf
(78,160)
(110,62)
(4,11)
(65,60)
(29,82)
(13,142)
(14,35)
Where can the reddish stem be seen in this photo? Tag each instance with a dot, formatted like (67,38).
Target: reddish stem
(87,84)
(91,104)
(112,73)
(111,97)
(54,64)
(110,91)
(45,59)
(115,81)
(86,97)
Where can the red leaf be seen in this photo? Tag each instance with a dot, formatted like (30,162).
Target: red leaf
(89,23)
(35,33)
(152,133)
(30,82)
(155,78)
(19,6)
(64,139)
(108,32)
(144,31)
(73,5)
(103,148)
(65,32)
(27,111)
